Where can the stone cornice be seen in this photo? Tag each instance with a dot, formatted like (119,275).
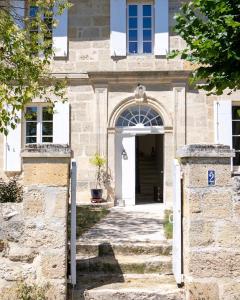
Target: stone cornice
(168,77)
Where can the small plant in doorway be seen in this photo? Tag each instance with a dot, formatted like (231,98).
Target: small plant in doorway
(99,162)
(168,224)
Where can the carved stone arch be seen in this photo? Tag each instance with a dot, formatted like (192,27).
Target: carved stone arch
(131,101)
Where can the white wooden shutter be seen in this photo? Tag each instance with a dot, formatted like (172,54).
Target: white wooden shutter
(161,46)
(118,25)
(223,122)
(61,124)
(12,153)
(18,11)
(60,34)
(177,223)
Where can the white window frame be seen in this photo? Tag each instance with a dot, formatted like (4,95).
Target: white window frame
(44,18)
(140,27)
(39,124)
(236,168)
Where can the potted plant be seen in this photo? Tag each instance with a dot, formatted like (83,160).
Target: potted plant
(99,162)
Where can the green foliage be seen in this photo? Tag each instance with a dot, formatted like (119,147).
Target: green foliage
(25,59)
(99,162)
(168,225)
(31,292)
(10,191)
(211,29)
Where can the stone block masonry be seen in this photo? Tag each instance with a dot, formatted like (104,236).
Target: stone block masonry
(211,247)
(33,234)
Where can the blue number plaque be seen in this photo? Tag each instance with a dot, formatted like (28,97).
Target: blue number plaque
(211,177)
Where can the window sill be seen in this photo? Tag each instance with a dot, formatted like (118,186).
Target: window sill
(140,54)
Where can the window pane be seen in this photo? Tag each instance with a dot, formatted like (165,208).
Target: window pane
(31,128)
(132,35)
(133,47)
(47,139)
(132,10)
(147,47)
(147,35)
(147,10)
(236,143)
(31,113)
(236,159)
(132,23)
(236,127)
(47,128)
(33,11)
(46,116)
(236,113)
(147,22)
(31,140)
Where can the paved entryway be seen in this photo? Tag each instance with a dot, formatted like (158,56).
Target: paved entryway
(140,223)
(126,256)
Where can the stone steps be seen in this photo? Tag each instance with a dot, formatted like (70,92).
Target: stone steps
(130,264)
(103,249)
(127,287)
(126,257)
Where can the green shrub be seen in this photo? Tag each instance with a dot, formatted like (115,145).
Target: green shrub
(168,226)
(31,292)
(10,191)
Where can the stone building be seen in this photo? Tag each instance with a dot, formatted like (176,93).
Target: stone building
(127,101)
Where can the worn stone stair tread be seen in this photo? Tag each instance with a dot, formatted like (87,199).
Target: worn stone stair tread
(132,248)
(130,258)
(126,264)
(131,286)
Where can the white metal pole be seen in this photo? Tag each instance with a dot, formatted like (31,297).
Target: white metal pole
(73,220)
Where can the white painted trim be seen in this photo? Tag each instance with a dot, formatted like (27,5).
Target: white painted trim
(73,221)
(140,28)
(141,130)
(40,107)
(177,223)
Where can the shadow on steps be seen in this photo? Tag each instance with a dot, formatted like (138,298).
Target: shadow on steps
(93,273)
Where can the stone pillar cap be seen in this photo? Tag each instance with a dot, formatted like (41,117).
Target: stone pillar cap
(205,150)
(46,150)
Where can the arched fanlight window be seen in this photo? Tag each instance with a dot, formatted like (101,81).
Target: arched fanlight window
(139,115)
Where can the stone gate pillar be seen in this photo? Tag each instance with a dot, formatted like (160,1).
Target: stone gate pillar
(211,240)
(45,210)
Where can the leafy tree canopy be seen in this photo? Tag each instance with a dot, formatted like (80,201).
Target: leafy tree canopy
(25,56)
(211,29)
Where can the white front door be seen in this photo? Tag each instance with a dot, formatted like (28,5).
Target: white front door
(125,169)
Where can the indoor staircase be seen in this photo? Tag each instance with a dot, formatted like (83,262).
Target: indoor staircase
(148,178)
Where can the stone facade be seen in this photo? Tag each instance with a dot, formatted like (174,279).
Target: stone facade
(99,87)
(211,249)
(33,234)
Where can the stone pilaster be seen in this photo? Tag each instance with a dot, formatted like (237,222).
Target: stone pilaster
(179,91)
(45,209)
(101,92)
(209,223)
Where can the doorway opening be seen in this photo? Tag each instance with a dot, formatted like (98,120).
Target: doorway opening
(149,169)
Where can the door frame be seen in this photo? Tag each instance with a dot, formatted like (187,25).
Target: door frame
(136,131)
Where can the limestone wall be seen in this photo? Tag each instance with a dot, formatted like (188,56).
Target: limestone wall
(211,248)
(89,42)
(33,234)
